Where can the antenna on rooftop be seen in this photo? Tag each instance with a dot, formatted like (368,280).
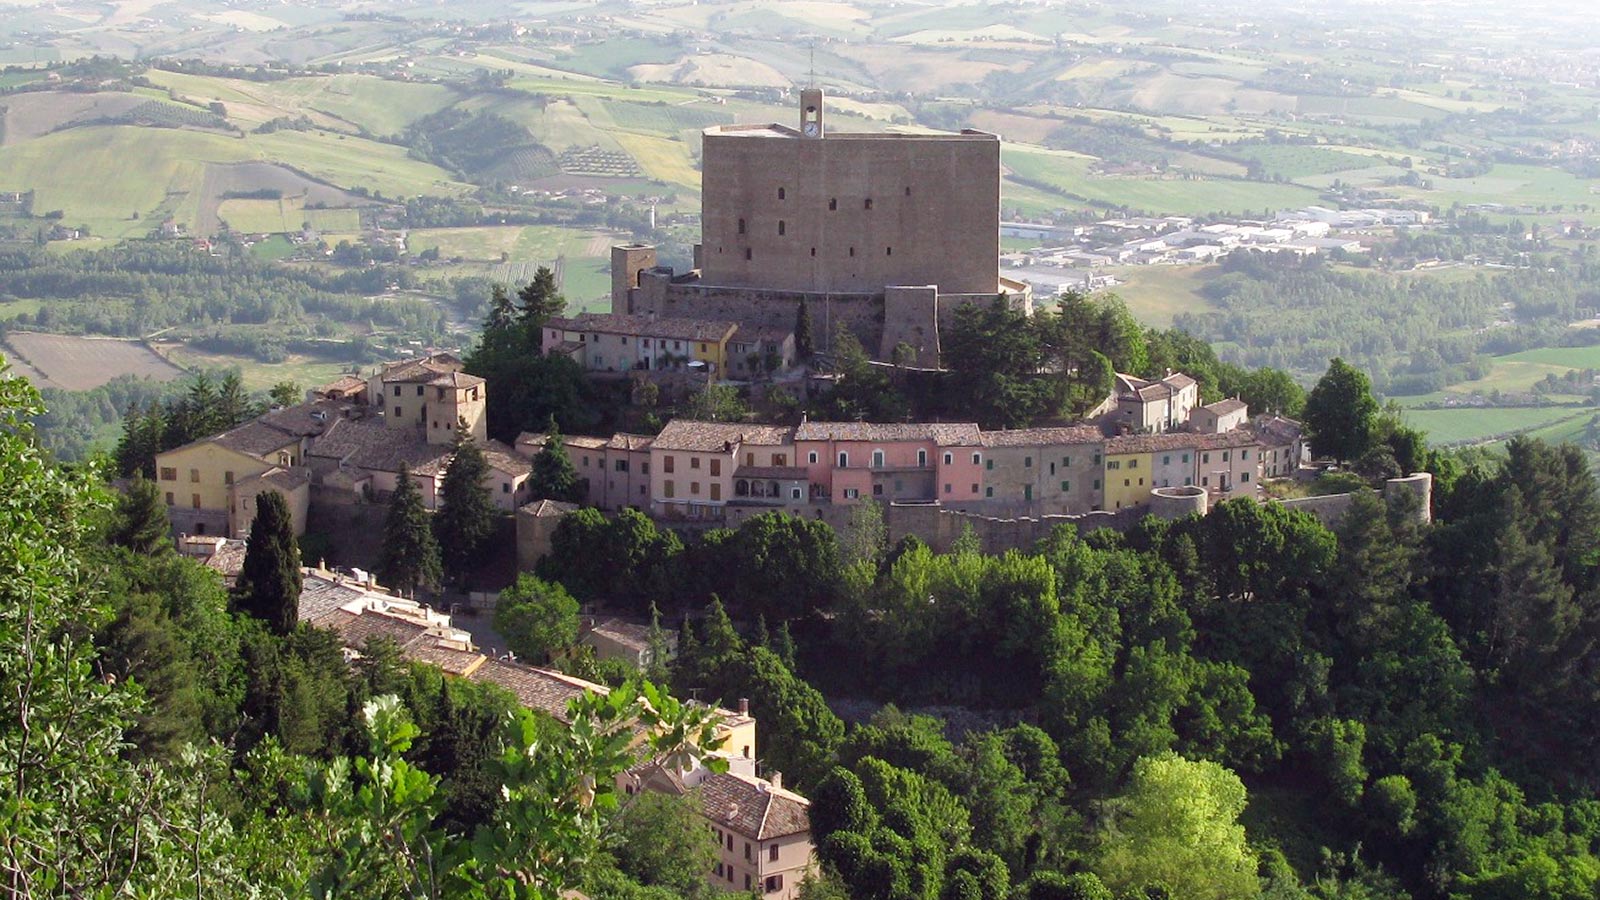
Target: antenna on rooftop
(813,76)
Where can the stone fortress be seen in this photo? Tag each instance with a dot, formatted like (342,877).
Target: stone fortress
(884,234)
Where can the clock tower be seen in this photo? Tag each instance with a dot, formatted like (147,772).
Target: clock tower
(811,112)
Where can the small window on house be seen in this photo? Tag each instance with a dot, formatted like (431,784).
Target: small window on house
(780,193)
(947,487)
(1097,484)
(949,458)
(1066,486)
(974,489)
(989,465)
(694,462)
(772,853)
(1027,462)
(988,492)
(399,413)
(169,498)
(195,500)
(877,459)
(812,457)
(716,467)
(1166,460)
(169,473)
(667,464)
(794,493)
(844,460)
(397,390)
(747,253)
(888,251)
(813,251)
(1244,476)
(780,228)
(908,190)
(194,476)
(1133,464)
(922,459)
(833,204)
(774,882)
(877,490)
(1184,458)
(227,478)
(975,458)
(420,389)
(741,226)
(1097,459)
(694,487)
(868,204)
(505,488)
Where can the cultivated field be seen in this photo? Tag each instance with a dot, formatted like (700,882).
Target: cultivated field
(1069,176)
(80,363)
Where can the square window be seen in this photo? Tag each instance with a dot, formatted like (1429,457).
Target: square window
(169,474)
(694,487)
(1066,486)
(988,492)
(1244,476)
(947,488)
(812,457)
(694,462)
(949,458)
(974,489)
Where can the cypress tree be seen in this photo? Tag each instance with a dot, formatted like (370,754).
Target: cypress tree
(553,477)
(466,515)
(410,554)
(269,582)
(804,344)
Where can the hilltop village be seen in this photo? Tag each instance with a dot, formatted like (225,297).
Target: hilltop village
(882,236)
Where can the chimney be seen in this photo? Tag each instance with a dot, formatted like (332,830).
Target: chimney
(776,778)
(744,706)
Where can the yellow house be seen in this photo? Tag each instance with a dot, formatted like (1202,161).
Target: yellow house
(1127,474)
(197,480)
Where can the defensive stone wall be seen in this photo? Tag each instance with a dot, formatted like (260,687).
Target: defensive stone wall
(661,294)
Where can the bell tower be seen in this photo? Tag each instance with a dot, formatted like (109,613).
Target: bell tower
(811,112)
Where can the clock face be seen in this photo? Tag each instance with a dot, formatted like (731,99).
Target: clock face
(811,129)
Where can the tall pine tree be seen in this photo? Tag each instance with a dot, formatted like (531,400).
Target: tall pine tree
(141,519)
(541,300)
(269,582)
(410,556)
(1340,412)
(804,343)
(466,515)
(553,477)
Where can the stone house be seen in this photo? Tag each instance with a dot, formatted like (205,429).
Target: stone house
(1223,415)
(693,464)
(1153,406)
(1042,471)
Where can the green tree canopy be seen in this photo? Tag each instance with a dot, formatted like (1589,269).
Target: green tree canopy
(466,515)
(553,476)
(537,618)
(1340,412)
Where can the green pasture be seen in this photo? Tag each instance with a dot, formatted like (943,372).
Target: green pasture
(349,161)
(284,215)
(378,105)
(1453,426)
(1511,185)
(273,248)
(1156,294)
(305,371)
(613,57)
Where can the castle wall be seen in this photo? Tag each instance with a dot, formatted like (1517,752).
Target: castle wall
(850,212)
(659,294)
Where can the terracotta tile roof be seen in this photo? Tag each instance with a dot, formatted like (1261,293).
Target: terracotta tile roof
(1227,440)
(957,434)
(308,419)
(450,659)
(535,688)
(752,807)
(1277,430)
(713,437)
(1149,443)
(423,369)
(1041,437)
(253,439)
(635,442)
(343,384)
(1129,386)
(370,444)
(280,478)
(645,326)
(629,634)
(1224,407)
(502,458)
(356,630)
(542,508)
